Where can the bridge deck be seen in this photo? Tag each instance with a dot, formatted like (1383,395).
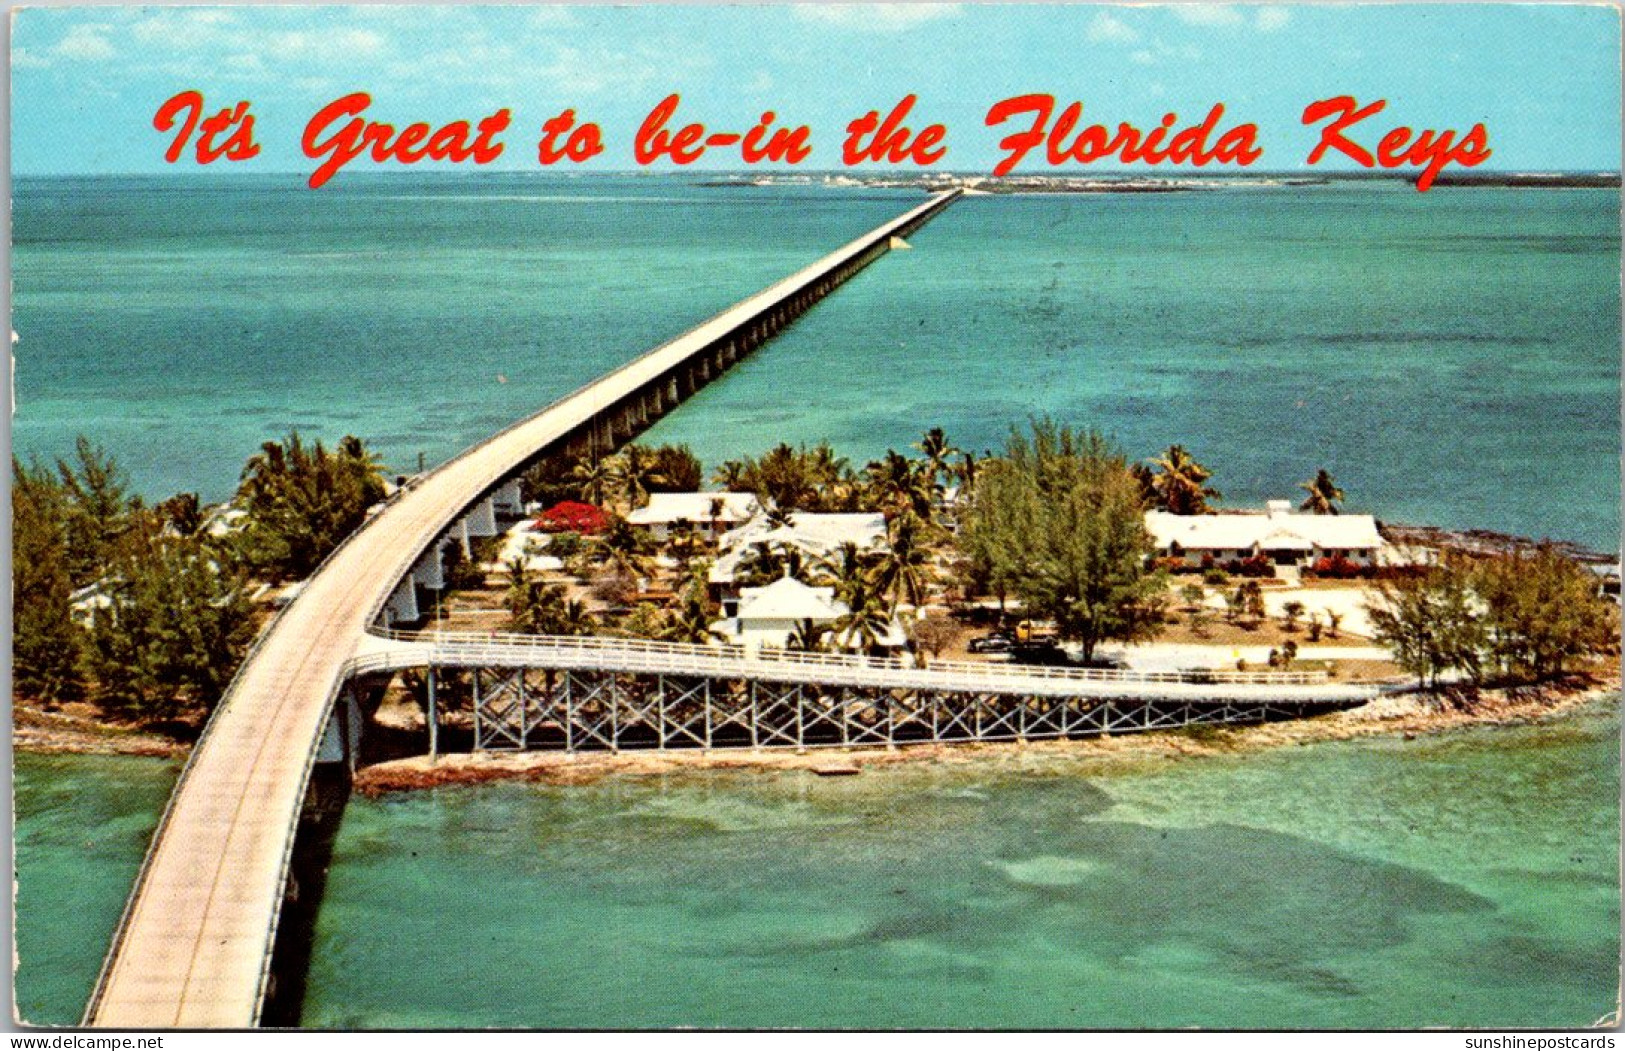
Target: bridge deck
(194,947)
(399,651)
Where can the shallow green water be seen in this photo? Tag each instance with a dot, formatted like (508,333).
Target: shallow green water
(82,826)
(1468,880)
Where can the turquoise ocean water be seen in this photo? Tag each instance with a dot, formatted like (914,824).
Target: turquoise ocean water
(1468,879)
(1452,358)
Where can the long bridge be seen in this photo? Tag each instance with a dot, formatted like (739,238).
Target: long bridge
(193,948)
(195,945)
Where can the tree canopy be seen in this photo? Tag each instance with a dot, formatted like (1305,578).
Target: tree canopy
(1519,616)
(303,501)
(1058,520)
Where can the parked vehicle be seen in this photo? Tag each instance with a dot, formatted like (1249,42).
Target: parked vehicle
(1111,663)
(995,643)
(1044,653)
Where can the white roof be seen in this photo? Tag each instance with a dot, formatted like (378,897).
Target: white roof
(1276,530)
(817,533)
(667,508)
(789,599)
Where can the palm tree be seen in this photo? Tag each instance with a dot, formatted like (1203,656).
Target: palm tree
(368,465)
(964,472)
(1324,495)
(936,449)
(592,478)
(621,548)
(808,637)
(847,567)
(898,484)
(768,562)
(1148,483)
(901,572)
(575,620)
(731,476)
(632,471)
(831,476)
(1179,483)
(692,621)
(866,621)
(518,584)
(696,580)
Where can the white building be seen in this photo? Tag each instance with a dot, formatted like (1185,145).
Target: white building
(768,616)
(709,513)
(815,535)
(1285,538)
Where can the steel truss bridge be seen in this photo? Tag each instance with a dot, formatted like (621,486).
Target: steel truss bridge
(577,693)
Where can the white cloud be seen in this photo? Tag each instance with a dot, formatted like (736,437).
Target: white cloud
(244,65)
(1270,19)
(22,58)
(87,43)
(880,17)
(1157,51)
(340,45)
(1204,14)
(185,30)
(1107,29)
(594,70)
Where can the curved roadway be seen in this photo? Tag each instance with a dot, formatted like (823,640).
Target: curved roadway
(194,947)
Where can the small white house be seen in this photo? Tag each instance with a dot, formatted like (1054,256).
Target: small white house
(224,520)
(767,616)
(86,602)
(712,514)
(1278,534)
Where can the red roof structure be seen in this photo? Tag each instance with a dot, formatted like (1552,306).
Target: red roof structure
(573,516)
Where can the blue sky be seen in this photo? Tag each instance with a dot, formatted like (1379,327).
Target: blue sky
(1544,78)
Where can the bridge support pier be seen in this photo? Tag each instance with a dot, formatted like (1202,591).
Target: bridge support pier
(433,717)
(578,709)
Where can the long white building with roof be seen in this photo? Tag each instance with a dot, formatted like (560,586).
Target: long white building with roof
(710,513)
(1278,534)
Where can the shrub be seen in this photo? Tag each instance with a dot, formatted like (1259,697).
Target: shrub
(1257,566)
(563,545)
(1215,577)
(1336,568)
(572,516)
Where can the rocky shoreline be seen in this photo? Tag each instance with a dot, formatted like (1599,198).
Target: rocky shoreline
(1408,715)
(62,733)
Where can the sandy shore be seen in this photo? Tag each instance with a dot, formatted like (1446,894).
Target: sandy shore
(36,730)
(1407,715)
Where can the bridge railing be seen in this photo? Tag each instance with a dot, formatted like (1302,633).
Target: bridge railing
(677,657)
